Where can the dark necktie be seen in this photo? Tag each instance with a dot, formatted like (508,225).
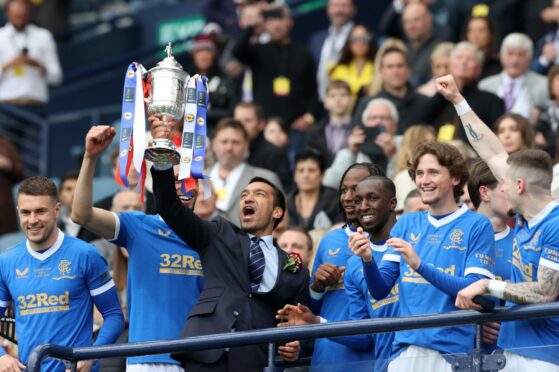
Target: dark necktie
(256,264)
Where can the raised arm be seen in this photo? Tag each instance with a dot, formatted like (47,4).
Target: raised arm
(480,136)
(96,220)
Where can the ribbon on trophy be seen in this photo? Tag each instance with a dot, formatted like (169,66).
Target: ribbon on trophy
(132,128)
(193,144)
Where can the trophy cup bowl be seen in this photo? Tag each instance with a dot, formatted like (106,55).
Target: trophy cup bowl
(166,99)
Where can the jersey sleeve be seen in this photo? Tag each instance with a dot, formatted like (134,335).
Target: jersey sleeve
(480,257)
(395,232)
(125,225)
(97,275)
(550,247)
(5,295)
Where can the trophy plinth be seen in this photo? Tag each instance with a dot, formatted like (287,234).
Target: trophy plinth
(166,99)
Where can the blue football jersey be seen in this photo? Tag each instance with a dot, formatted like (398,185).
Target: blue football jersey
(503,254)
(459,244)
(535,243)
(164,275)
(362,305)
(333,248)
(52,294)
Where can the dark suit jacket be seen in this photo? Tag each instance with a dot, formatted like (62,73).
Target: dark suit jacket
(226,303)
(265,155)
(315,43)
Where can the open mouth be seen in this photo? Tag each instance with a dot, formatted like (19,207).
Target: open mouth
(248,210)
(184,198)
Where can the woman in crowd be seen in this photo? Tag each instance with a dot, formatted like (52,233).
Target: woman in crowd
(515,132)
(356,62)
(481,33)
(310,204)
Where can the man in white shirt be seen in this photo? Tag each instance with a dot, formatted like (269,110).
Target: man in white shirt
(231,173)
(520,89)
(326,45)
(28,58)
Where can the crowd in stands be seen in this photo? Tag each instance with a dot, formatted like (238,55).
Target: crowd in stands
(358,131)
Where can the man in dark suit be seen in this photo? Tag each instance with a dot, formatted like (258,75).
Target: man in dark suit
(240,293)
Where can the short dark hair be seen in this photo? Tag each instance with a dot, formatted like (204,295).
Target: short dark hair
(387,183)
(394,49)
(255,107)
(534,165)
(227,123)
(302,231)
(448,156)
(38,186)
(71,175)
(279,197)
(412,194)
(480,175)
(310,153)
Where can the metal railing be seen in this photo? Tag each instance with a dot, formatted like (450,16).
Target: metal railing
(272,336)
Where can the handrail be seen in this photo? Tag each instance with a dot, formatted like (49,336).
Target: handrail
(274,335)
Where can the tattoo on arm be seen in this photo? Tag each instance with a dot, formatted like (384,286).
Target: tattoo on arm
(545,289)
(476,137)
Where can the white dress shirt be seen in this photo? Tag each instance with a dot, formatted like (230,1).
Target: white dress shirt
(522,103)
(28,82)
(224,187)
(330,54)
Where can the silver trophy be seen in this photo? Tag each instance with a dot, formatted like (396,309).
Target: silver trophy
(166,99)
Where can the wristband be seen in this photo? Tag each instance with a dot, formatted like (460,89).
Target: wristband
(496,288)
(462,107)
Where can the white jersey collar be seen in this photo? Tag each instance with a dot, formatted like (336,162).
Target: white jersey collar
(451,217)
(52,250)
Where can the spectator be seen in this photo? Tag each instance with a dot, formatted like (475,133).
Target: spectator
(11,172)
(373,142)
(231,173)
(28,59)
(330,135)
(376,84)
(262,153)
(520,89)
(395,74)
(420,40)
(220,86)
(415,135)
(481,33)
(515,132)
(275,134)
(547,123)
(66,195)
(295,239)
(465,64)
(546,54)
(356,62)
(414,203)
(326,45)
(206,208)
(283,74)
(310,204)
(440,60)
(78,278)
